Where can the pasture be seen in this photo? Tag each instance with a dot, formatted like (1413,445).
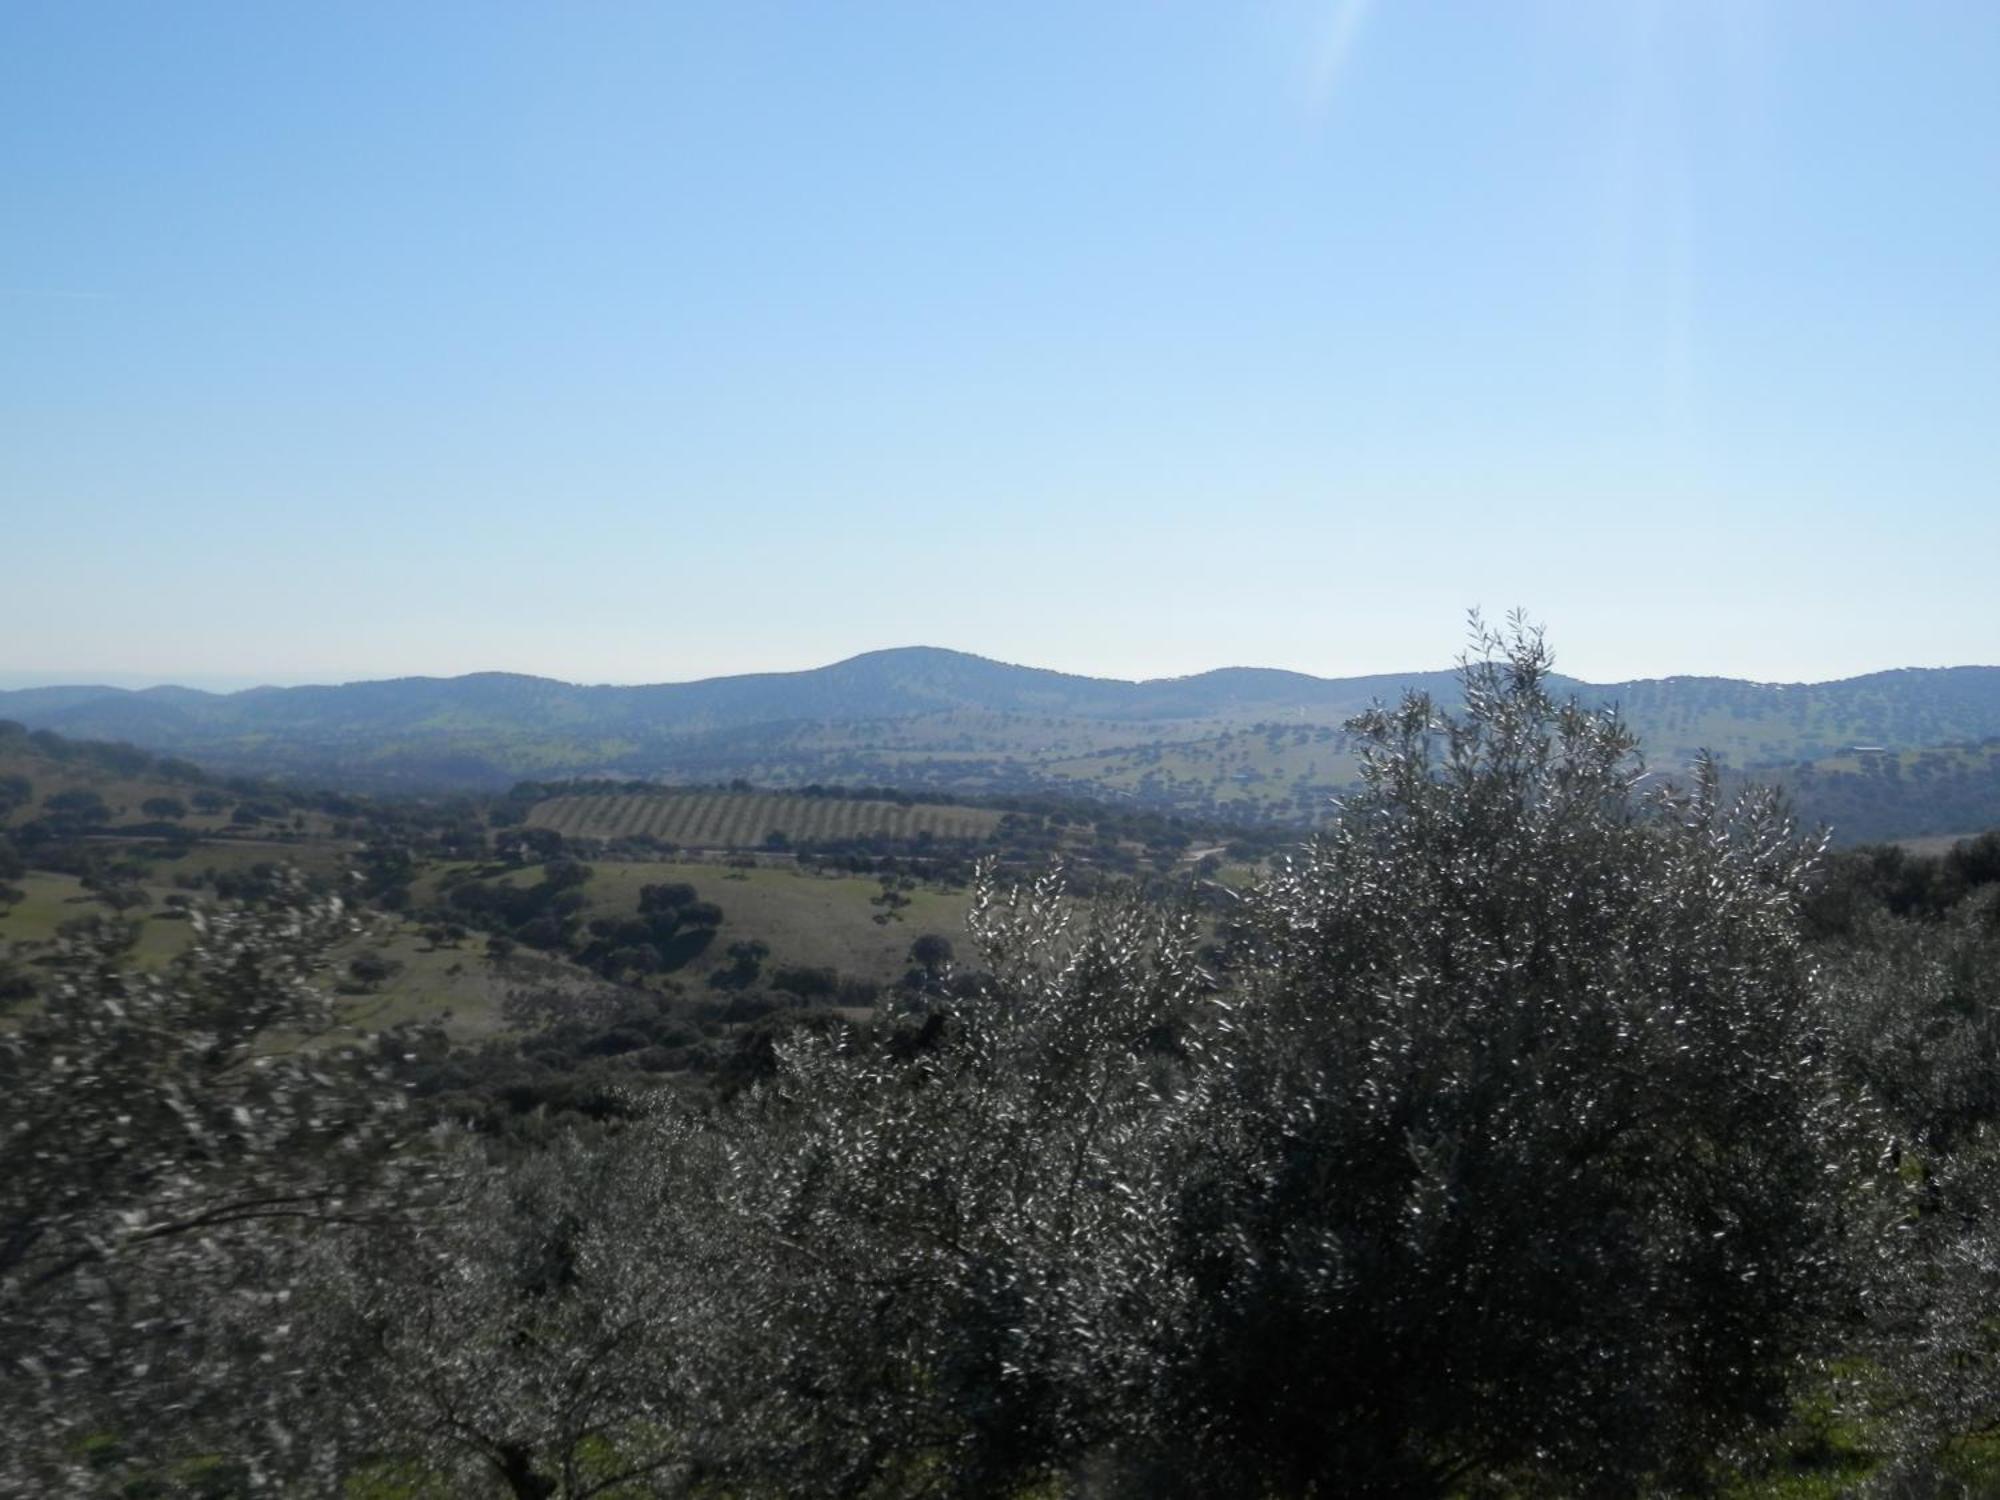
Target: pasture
(806,918)
(51,899)
(746,820)
(325,857)
(809,919)
(454,986)
(122,794)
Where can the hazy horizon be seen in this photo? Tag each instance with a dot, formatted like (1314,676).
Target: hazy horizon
(13,680)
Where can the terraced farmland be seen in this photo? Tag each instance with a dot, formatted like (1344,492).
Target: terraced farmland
(745,820)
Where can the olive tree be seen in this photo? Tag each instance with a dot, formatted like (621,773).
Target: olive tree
(947,1233)
(1916,1008)
(560,1324)
(167,1135)
(1531,1164)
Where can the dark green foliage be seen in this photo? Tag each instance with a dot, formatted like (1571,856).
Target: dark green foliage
(932,953)
(15,983)
(675,896)
(15,791)
(746,959)
(1911,948)
(1856,884)
(807,981)
(75,810)
(371,970)
(526,845)
(542,915)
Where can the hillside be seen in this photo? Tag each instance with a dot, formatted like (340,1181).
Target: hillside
(484,915)
(1245,741)
(1899,794)
(120,789)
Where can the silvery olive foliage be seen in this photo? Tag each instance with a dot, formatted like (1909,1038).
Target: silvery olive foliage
(167,1137)
(964,1240)
(555,1325)
(1537,1166)
(1509,1152)
(1916,1009)
(905,1269)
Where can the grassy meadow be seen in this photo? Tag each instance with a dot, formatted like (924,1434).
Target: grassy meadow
(51,899)
(806,918)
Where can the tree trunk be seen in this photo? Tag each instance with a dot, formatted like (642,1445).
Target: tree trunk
(516,1465)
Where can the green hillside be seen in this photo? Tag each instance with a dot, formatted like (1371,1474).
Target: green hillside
(928,719)
(1871,796)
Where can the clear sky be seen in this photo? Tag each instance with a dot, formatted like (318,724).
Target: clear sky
(638,342)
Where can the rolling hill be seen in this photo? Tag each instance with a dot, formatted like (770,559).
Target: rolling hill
(1253,741)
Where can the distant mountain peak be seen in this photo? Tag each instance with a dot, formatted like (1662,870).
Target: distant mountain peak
(936,716)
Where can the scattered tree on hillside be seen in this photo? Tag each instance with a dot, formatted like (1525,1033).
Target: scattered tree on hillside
(74,809)
(746,960)
(931,954)
(372,969)
(15,791)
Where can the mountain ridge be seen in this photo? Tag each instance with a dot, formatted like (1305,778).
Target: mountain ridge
(908,653)
(934,716)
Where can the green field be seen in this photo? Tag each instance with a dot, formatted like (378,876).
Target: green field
(53,899)
(456,988)
(324,857)
(806,918)
(746,820)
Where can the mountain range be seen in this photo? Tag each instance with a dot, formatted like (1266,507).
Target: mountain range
(898,683)
(1264,740)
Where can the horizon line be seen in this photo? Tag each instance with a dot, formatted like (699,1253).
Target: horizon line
(28,679)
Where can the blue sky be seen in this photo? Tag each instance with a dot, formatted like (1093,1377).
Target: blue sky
(637,342)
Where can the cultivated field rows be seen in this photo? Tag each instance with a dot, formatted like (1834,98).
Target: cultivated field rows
(738,820)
